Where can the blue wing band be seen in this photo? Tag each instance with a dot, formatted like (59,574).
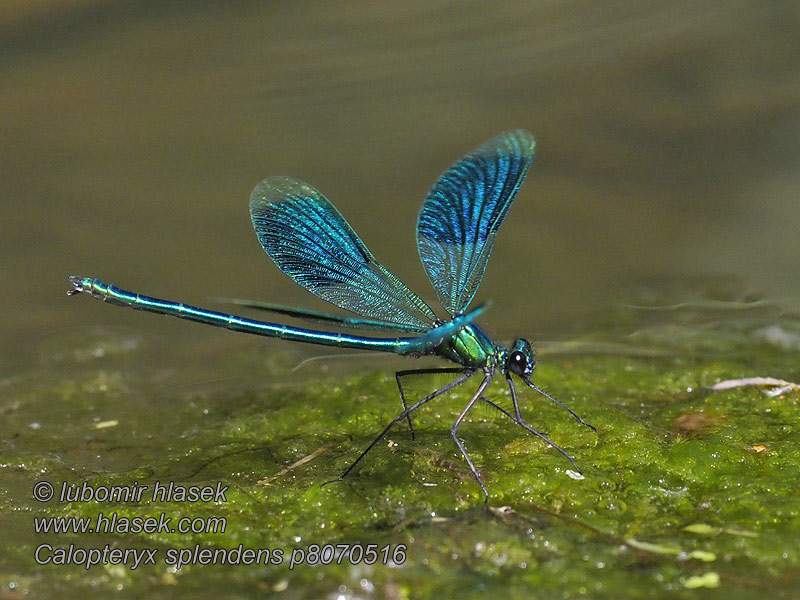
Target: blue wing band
(309,240)
(463,211)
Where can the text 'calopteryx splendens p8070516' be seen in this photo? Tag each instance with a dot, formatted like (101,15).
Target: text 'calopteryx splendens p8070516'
(309,240)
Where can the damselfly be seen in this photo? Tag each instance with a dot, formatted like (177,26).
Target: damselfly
(309,240)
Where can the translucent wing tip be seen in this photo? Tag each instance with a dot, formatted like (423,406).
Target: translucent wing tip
(516,138)
(278,188)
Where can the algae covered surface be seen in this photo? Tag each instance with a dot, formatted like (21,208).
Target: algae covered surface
(688,492)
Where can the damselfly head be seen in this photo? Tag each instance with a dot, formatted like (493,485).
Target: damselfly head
(521,358)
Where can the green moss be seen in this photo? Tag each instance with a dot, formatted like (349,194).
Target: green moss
(684,488)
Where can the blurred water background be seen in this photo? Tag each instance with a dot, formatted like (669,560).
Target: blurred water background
(133,132)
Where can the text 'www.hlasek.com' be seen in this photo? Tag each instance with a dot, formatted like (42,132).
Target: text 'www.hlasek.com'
(120,521)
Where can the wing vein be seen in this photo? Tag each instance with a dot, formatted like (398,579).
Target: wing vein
(310,241)
(457,224)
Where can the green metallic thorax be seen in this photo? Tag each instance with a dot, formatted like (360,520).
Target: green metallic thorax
(470,347)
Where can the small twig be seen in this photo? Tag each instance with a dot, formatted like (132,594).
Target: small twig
(779,386)
(298,463)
